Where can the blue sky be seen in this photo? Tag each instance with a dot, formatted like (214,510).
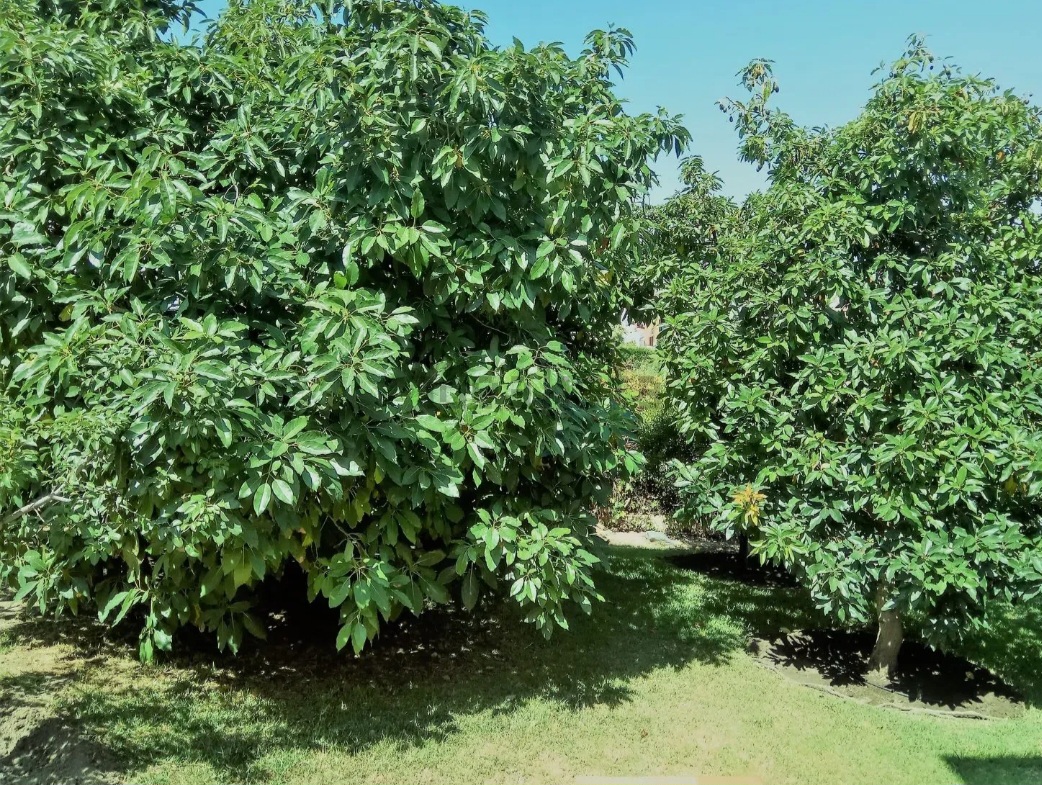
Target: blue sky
(688,52)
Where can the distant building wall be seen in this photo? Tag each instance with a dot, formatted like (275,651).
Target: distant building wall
(641,334)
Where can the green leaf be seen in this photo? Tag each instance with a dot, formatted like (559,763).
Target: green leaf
(262,498)
(224,431)
(430,423)
(19,266)
(350,267)
(24,234)
(470,590)
(340,593)
(431,558)
(113,601)
(418,204)
(359,636)
(294,426)
(361,593)
(282,490)
(443,395)
(344,636)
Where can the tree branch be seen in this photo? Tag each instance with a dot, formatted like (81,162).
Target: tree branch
(32,507)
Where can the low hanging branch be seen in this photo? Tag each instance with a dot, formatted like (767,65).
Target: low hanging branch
(31,507)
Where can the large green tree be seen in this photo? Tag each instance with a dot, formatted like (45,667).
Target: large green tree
(330,285)
(859,358)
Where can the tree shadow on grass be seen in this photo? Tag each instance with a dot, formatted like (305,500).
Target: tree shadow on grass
(1011,770)
(53,749)
(1011,649)
(37,745)
(295,693)
(725,564)
(990,672)
(926,680)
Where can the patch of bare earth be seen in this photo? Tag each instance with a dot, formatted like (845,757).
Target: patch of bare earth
(38,745)
(652,539)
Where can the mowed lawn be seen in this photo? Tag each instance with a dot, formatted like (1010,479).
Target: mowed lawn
(656,683)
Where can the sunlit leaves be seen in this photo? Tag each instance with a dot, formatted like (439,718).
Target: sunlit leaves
(861,345)
(263,304)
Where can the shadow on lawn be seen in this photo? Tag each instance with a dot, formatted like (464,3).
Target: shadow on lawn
(1006,770)
(1011,649)
(926,679)
(297,693)
(725,564)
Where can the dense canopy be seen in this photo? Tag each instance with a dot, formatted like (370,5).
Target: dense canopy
(858,356)
(331,286)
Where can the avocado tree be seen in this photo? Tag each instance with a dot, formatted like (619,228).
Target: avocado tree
(330,285)
(859,357)
(686,226)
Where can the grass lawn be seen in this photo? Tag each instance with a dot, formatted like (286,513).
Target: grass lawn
(657,682)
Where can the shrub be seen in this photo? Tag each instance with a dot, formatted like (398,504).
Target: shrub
(861,353)
(331,285)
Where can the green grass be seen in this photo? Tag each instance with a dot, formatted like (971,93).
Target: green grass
(657,682)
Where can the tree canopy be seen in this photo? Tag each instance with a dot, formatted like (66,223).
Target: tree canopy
(685,227)
(332,285)
(858,358)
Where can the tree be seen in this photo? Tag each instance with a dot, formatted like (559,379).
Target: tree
(686,226)
(860,357)
(330,285)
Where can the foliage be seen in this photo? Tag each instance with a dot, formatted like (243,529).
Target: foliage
(651,491)
(859,358)
(686,226)
(332,284)
(641,358)
(643,380)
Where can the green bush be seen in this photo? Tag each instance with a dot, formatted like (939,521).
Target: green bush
(861,353)
(332,285)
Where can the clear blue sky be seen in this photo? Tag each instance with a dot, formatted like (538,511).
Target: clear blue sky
(688,52)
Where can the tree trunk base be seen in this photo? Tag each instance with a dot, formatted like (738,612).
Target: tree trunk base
(882,664)
(879,678)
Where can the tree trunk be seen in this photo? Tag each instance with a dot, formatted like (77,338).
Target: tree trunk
(743,551)
(882,664)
